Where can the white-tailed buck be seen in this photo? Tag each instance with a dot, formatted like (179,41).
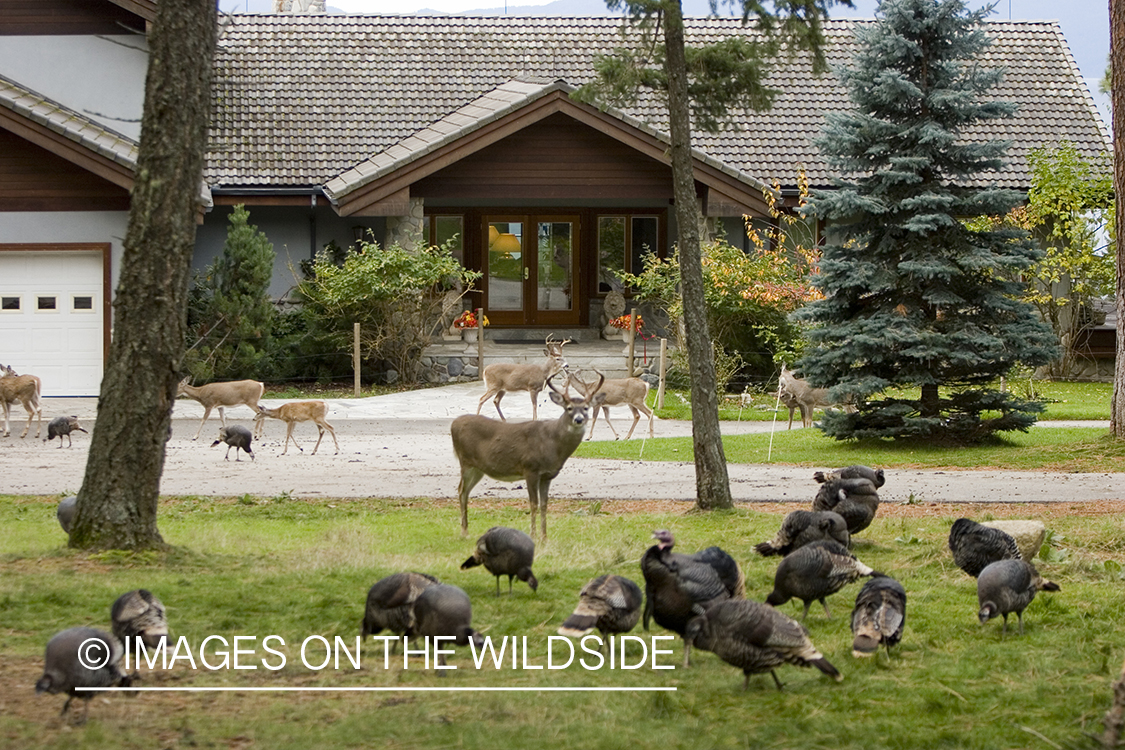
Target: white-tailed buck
(629,392)
(532,451)
(233,393)
(23,388)
(796,393)
(501,377)
(298,411)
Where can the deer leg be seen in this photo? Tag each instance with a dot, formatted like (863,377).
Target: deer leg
(534,403)
(206,413)
(645,410)
(469,479)
(331,431)
(222,417)
(532,499)
(605,411)
(496,401)
(544,487)
(488,392)
(7,431)
(806,415)
(289,436)
(636,418)
(319,437)
(31,414)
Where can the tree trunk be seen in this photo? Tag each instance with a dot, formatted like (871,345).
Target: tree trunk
(930,402)
(712,485)
(118,499)
(1117,64)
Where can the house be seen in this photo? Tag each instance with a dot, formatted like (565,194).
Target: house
(411,129)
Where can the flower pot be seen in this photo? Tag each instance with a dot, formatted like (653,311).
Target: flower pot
(469,335)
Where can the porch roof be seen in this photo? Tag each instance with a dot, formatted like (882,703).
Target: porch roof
(301,100)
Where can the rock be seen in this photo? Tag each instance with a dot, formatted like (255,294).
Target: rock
(454,367)
(472,372)
(652,380)
(1029,535)
(391,376)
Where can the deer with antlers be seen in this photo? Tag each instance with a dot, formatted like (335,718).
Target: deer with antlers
(23,388)
(630,392)
(501,377)
(532,451)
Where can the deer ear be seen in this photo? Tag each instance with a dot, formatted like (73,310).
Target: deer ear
(557,398)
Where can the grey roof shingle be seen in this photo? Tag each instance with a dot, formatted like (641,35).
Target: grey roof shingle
(300,100)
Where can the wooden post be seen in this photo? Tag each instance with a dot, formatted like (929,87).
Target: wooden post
(663,369)
(355,357)
(632,338)
(480,342)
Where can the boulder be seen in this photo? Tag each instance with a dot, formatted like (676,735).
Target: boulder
(1029,535)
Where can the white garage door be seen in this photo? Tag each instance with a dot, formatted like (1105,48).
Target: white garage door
(51,319)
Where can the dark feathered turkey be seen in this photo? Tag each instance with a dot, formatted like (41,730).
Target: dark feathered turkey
(815,572)
(505,552)
(68,506)
(444,610)
(854,499)
(64,671)
(755,638)
(1007,586)
(390,603)
(879,615)
(875,476)
(139,614)
(679,587)
(803,527)
(975,546)
(610,603)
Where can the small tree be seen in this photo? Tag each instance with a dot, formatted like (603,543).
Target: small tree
(913,297)
(232,314)
(395,295)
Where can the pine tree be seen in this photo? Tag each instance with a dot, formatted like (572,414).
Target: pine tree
(914,298)
(232,313)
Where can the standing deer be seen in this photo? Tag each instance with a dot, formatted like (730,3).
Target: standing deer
(532,451)
(796,393)
(23,388)
(629,392)
(233,393)
(294,412)
(501,377)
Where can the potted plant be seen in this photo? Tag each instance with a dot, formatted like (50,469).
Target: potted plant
(466,322)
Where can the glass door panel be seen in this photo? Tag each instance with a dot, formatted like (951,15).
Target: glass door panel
(504,266)
(555,263)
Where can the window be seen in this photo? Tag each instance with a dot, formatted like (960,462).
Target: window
(82,303)
(10,304)
(623,242)
(47,303)
(438,230)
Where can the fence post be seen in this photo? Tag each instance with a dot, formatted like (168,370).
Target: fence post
(355,357)
(629,363)
(663,368)
(480,343)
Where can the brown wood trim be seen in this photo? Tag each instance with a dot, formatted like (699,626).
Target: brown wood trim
(143,8)
(107,258)
(65,148)
(228,199)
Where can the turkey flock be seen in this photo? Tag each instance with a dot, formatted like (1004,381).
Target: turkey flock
(701,597)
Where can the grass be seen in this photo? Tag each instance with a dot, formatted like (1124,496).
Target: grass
(259,566)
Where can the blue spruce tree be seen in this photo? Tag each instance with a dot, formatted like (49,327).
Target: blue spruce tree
(913,297)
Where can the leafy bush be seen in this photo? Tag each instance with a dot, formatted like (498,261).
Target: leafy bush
(396,295)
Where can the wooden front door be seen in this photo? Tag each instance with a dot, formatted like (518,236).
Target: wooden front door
(530,269)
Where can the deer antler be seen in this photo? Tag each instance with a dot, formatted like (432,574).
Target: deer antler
(556,390)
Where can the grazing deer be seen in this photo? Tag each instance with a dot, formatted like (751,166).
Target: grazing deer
(233,393)
(629,392)
(501,377)
(294,412)
(796,393)
(532,451)
(23,388)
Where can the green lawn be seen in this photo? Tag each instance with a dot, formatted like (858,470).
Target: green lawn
(296,569)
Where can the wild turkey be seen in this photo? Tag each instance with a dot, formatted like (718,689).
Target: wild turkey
(505,552)
(755,638)
(855,499)
(390,603)
(610,603)
(68,506)
(975,546)
(1007,586)
(238,437)
(444,610)
(875,476)
(879,615)
(803,527)
(815,572)
(139,614)
(65,669)
(679,587)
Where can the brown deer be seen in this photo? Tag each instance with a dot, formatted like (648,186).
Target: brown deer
(23,388)
(501,377)
(629,392)
(294,412)
(233,393)
(532,451)
(796,393)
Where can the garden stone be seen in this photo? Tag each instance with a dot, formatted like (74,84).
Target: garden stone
(455,367)
(1029,535)
(471,372)
(392,376)
(652,380)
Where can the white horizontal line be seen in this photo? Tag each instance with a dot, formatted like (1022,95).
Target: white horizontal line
(378,689)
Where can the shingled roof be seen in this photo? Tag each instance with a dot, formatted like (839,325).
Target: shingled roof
(300,100)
